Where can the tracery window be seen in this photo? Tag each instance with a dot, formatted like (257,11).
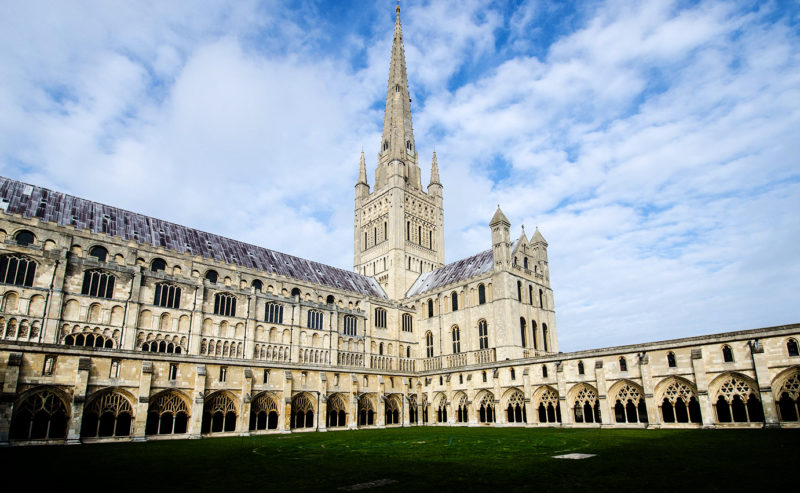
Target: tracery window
(462,412)
(380,318)
(17,270)
(314,319)
(481,294)
(225,304)
(407,323)
(350,325)
(737,401)
(483,334)
(680,404)
(789,399)
(264,412)
(41,415)
(429,344)
(486,412)
(548,410)
(392,411)
(586,407)
(219,413)
(167,295)
(109,414)
(302,411)
(273,313)
(366,411)
(456,339)
(337,414)
(515,412)
(98,283)
(629,405)
(167,414)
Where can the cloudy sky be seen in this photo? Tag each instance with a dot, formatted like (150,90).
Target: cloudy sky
(655,144)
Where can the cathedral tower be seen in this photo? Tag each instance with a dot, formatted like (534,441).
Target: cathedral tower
(399,226)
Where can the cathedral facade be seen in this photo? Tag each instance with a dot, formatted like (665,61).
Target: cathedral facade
(119,326)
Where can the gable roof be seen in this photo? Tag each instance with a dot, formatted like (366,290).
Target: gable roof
(65,210)
(459,270)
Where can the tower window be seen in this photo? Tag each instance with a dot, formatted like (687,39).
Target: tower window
(481,294)
(380,318)
(98,283)
(225,304)
(456,339)
(483,334)
(429,344)
(314,319)
(454,300)
(17,270)
(273,314)
(430,308)
(407,322)
(397,88)
(167,295)
(385,145)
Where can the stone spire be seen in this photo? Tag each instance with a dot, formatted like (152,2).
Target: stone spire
(435,171)
(362,171)
(398,136)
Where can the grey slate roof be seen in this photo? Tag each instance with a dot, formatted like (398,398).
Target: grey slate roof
(457,271)
(65,210)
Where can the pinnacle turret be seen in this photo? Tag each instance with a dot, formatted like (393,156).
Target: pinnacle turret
(362,170)
(435,171)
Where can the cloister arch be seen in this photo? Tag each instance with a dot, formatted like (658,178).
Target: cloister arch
(735,398)
(108,413)
(219,412)
(628,403)
(440,404)
(264,412)
(677,401)
(484,405)
(584,403)
(786,390)
(545,401)
(460,404)
(303,410)
(337,411)
(40,413)
(366,409)
(168,413)
(392,410)
(514,404)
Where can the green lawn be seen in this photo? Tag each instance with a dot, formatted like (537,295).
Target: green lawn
(424,458)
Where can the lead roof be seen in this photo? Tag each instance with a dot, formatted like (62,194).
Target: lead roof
(459,270)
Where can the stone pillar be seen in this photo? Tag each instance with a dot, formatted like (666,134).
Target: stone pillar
(406,418)
(55,305)
(761,368)
(245,399)
(287,401)
(563,405)
(602,393)
(198,314)
(250,325)
(143,401)
(526,390)
(701,381)
(380,419)
(8,395)
(653,416)
(352,397)
(198,399)
(78,400)
(322,415)
(448,392)
(132,311)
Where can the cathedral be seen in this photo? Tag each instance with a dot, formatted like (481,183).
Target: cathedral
(118,326)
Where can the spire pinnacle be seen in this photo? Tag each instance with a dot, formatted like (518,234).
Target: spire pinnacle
(398,135)
(435,171)
(362,170)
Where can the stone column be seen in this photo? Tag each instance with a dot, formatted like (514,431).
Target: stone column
(380,419)
(55,305)
(406,419)
(701,381)
(287,401)
(563,405)
(78,400)
(653,417)
(198,399)
(528,394)
(448,392)
(602,393)
(143,401)
(352,397)
(245,399)
(761,368)
(322,415)
(198,314)
(8,395)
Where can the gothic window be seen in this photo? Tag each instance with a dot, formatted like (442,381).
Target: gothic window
(680,404)
(392,411)
(350,325)
(671,360)
(486,412)
(519,291)
(257,285)
(737,401)
(225,304)
(456,339)
(173,372)
(515,412)
(167,295)
(264,412)
(530,293)
(337,416)
(727,354)
(630,405)
(483,334)
(544,337)
(366,411)
(161,346)
(219,413)
(548,409)
(580,367)
(481,294)
(24,238)
(109,414)
(454,300)
(789,401)
(429,344)
(792,348)
(541,299)
(586,407)
(17,270)
(99,253)
(430,311)
(40,415)
(167,414)
(623,364)
(522,331)
(513,374)
(314,319)
(533,334)
(159,265)
(273,313)
(212,276)
(544,371)
(89,340)
(407,323)
(380,318)
(98,283)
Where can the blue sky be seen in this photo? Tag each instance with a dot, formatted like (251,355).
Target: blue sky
(654,144)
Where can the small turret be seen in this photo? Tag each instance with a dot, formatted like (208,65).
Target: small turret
(362,187)
(435,186)
(501,238)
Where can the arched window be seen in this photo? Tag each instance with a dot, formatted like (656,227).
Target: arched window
(419,235)
(40,415)
(586,407)
(366,411)
(486,412)
(533,335)
(483,374)
(109,414)
(454,300)
(350,325)
(408,351)
(314,319)
(481,294)
(429,344)
(257,285)
(680,404)
(671,360)
(337,416)
(159,265)
(456,339)
(380,318)
(630,405)
(273,314)
(99,253)
(549,411)
(792,348)
(513,374)
(580,368)
(522,327)
(483,334)
(727,354)
(407,322)
(519,291)
(544,337)
(738,401)
(544,371)
(162,346)
(430,308)
(525,262)
(167,414)
(789,402)
(98,283)
(24,238)
(212,276)
(541,299)
(380,349)
(295,292)
(219,414)
(623,365)
(89,340)
(17,270)
(515,412)
(530,294)
(225,304)
(330,300)
(167,295)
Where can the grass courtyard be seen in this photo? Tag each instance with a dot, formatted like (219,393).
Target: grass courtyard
(424,458)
